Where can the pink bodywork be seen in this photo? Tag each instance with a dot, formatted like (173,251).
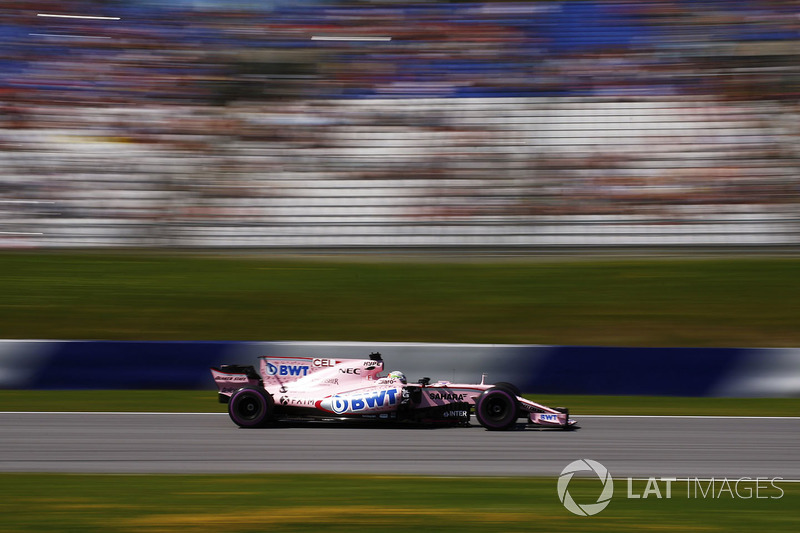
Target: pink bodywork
(354,387)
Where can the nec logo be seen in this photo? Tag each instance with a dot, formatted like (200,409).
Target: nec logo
(287,370)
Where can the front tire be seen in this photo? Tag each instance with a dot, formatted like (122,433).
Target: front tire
(251,408)
(510,387)
(496,409)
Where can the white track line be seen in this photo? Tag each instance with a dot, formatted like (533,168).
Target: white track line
(85,17)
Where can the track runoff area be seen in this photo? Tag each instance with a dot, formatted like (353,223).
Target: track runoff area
(638,447)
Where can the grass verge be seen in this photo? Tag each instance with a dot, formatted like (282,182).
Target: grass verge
(298,503)
(730,302)
(206,402)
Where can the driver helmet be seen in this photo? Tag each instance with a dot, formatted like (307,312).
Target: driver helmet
(396,374)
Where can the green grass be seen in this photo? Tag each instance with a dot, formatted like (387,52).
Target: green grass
(296,503)
(206,402)
(730,302)
(167,401)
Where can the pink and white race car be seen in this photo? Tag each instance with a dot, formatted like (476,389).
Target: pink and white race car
(287,388)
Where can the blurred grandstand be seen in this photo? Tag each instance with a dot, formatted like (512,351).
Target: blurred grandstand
(384,123)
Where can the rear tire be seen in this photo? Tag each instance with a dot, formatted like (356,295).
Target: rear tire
(496,409)
(251,408)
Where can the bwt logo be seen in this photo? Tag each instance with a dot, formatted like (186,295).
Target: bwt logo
(287,370)
(585,465)
(340,405)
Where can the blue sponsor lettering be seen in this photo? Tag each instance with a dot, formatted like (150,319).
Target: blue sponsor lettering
(287,370)
(548,418)
(357,404)
(375,400)
(294,370)
(391,393)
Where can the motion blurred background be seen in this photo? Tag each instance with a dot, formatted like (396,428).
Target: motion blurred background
(384,125)
(315,123)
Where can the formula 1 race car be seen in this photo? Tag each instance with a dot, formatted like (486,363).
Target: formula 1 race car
(319,388)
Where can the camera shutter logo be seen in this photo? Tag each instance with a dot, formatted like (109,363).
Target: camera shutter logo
(585,465)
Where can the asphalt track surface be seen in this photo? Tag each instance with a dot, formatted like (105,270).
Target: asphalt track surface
(210,443)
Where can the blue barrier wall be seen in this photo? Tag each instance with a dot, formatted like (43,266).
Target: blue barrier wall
(542,369)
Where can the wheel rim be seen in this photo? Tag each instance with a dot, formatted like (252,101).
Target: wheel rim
(248,408)
(496,409)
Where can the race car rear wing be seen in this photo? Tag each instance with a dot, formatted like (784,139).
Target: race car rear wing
(230,378)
